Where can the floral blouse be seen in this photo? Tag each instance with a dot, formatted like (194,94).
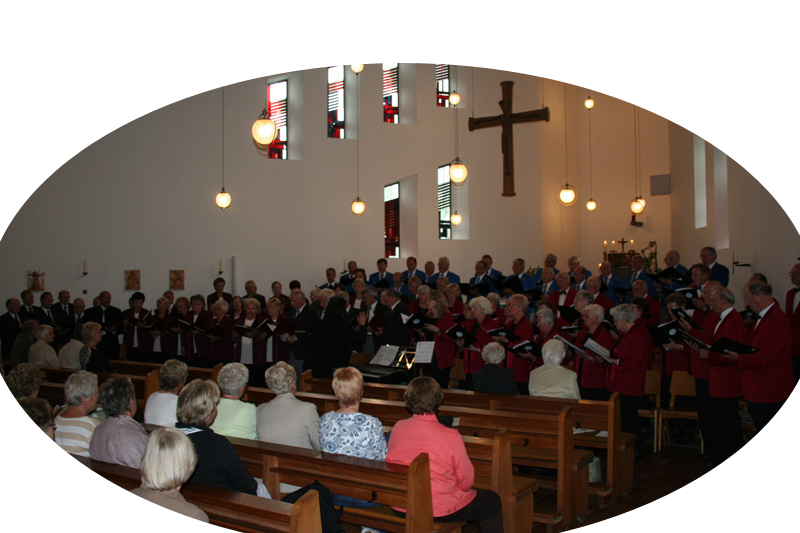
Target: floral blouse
(354,434)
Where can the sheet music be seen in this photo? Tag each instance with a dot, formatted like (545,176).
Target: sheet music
(594,346)
(570,344)
(424,352)
(385,355)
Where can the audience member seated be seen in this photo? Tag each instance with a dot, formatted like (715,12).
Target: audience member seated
(41,353)
(24,380)
(452,473)
(120,439)
(285,419)
(346,431)
(24,341)
(74,426)
(235,418)
(218,464)
(92,358)
(69,356)
(492,378)
(168,462)
(552,379)
(31,487)
(162,406)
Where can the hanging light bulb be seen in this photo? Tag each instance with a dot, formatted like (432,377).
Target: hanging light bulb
(357,68)
(642,201)
(458,171)
(17,174)
(454,98)
(588,103)
(264,130)
(636,206)
(591,205)
(567,195)
(223,199)
(358,207)
(456,219)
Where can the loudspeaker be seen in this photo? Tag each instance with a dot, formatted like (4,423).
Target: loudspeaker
(659,185)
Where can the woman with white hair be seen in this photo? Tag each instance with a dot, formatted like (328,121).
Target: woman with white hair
(630,358)
(168,462)
(492,378)
(592,370)
(218,464)
(41,353)
(285,419)
(235,418)
(74,426)
(479,324)
(551,379)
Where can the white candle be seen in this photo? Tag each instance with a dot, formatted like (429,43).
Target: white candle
(85,265)
(220,265)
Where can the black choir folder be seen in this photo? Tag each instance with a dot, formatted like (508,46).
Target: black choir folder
(459,333)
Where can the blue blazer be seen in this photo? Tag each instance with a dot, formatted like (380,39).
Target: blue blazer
(487,279)
(495,274)
(553,288)
(375,277)
(720,273)
(537,278)
(452,278)
(419,273)
(651,288)
(610,293)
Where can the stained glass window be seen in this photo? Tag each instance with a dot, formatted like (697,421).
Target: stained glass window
(443,202)
(391,96)
(391,206)
(277,97)
(336,102)
(442,85)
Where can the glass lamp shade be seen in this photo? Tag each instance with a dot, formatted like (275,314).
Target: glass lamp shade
(458,172)
(591,205)
(636,206)
(223,199)
(455,219)
(588,103)
(642,201)
(357,68)
(264,131)
(454,98)
(567,195)
(17,174)
(358,207)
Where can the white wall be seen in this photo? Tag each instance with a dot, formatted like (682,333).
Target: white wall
(761,142)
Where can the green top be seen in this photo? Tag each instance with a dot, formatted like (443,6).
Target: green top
(235,419)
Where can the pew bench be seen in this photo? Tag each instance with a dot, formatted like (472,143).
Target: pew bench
(226,508)
(390,485)
(547,437)
(595,415)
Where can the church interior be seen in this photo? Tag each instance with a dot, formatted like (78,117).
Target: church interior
(146,192)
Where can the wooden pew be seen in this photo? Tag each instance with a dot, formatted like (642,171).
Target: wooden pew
(226,508)
(388,484)
(538,440)
(595,415)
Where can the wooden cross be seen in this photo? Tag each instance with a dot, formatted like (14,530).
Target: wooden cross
(506,120)
(622,241)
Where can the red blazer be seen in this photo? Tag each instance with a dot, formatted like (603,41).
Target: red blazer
(724,376)
(794,320)
(192,341)
(634,349)
(655,311)
(221,350)
(213,297)
(604,301)
(767,375)
(472,359)
(593,375)
(444,347)
(145,339)
(280,349)
(169,340)
(540,339)
(521,366)
(500,315)
(259,345)
(553,297)
(458,308)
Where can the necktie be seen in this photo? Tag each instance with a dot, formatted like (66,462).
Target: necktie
(16,317)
